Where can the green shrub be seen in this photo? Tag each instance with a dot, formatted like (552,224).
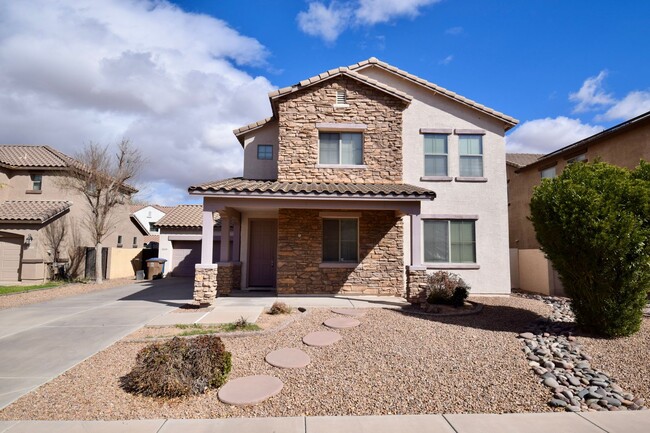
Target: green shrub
(179,367)
(446,288)
(280,308)
(593,223)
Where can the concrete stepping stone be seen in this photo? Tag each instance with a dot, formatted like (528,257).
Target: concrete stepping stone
(249,390)
(321,338)
(341,322)
(288,358)
(353,312)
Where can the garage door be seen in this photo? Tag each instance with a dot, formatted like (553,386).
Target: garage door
(10,248)
(186,254)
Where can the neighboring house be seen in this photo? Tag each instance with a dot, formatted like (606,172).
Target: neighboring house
(180,239)
(337,193)
(623,145)
(31,199)
(146,217)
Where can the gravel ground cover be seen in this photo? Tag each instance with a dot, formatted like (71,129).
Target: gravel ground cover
(394,363)
(33,297)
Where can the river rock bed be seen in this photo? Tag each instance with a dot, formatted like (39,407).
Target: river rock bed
(554,354)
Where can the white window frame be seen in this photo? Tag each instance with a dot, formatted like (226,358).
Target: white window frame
(472,156)
(449,261)
(36,178)
(340,260)
(548,172)
(446,154)
(339,163)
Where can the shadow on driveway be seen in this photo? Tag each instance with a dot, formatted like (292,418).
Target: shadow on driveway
(173,292)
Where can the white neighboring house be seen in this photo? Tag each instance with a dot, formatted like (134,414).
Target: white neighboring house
(146,218)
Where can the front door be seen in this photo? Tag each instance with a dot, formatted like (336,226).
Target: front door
(262,249)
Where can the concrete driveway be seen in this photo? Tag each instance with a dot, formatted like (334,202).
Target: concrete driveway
(38,342)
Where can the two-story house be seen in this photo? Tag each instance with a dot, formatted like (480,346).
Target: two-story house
(625,145)
(146,217)
(32,199)
(365,179)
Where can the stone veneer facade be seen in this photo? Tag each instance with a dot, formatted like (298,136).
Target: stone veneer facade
(215,280)
(299,112)
(416,284)
(380,270)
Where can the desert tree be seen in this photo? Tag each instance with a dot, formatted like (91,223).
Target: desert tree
(55,234)
(102,179)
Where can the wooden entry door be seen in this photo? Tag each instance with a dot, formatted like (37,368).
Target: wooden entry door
(262,252)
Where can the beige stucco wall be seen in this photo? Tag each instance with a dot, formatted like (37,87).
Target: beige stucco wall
(534,271)
(487,200)
(123,262)
(165,250)
(261,169)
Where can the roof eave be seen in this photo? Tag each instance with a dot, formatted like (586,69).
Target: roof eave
(312,196)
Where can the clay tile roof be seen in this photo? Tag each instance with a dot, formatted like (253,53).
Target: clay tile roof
(185,216)
(150,238)
(373,61)
(30,156)
(334,73)
(244,187)
(252,126)
(36,211)
(522,159)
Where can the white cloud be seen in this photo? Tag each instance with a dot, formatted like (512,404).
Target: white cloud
(454,31)
(591,95)
(549,134)
(381,11)
(328,22)
(75,71)
(634,104)
(447,60)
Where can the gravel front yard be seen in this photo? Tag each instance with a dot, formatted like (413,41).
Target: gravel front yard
(392,364)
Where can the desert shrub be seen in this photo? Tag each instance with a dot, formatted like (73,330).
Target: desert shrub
(446,288)
(179,367)
(280,308)
(593,223)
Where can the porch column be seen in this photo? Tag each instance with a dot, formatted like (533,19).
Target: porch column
(225,238)
(207,237)
(236,241)
(416,240)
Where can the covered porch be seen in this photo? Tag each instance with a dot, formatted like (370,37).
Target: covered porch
(307,243)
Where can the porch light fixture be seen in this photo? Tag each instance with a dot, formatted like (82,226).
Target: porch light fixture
(28,240)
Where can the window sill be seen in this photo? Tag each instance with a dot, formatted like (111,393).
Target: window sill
(452,266)
(471,179)
(34,191)
(338,265)
(342,166)
(340,105)
(436,179)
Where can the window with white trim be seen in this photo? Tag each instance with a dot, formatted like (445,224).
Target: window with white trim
(435,154)
(578,158)
(471,155)
(37,182)
(341,240)
(340,148)
(449,241)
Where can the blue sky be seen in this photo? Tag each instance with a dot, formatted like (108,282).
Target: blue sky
(176,78)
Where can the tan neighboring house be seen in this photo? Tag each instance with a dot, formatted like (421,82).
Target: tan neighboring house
(623,145)
(365,179)
(31,199)
(180,239)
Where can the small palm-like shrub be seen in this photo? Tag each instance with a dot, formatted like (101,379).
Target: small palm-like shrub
(280,308)
(446,288)
(179,367)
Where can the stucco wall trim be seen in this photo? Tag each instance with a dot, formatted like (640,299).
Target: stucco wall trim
(452,266)
(471,179)
(436,179)
(448,217)
(458,131)
(447,131)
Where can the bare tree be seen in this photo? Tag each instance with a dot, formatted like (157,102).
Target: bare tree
(103,182)
(75,251)
(54,234)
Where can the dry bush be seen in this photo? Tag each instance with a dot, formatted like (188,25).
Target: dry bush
(280,308)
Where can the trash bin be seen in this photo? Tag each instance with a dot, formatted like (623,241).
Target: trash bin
(155,268)
(139,275)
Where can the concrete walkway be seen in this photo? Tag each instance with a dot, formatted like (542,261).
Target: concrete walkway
(593,422)
(40,341)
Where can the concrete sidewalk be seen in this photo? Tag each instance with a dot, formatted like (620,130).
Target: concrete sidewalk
(592,422)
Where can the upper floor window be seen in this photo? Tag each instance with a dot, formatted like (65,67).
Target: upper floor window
(345,148)
(37,182)
(548,173)
(471,155)
(119,241)
(264,151)
(135,242)
(578,158)
(341,240)
(153,228)
(435,155)
(449,241)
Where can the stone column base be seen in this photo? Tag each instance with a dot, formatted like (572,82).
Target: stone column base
(218,279)
(416,284)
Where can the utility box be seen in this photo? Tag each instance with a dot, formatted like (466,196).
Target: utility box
(155,268)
